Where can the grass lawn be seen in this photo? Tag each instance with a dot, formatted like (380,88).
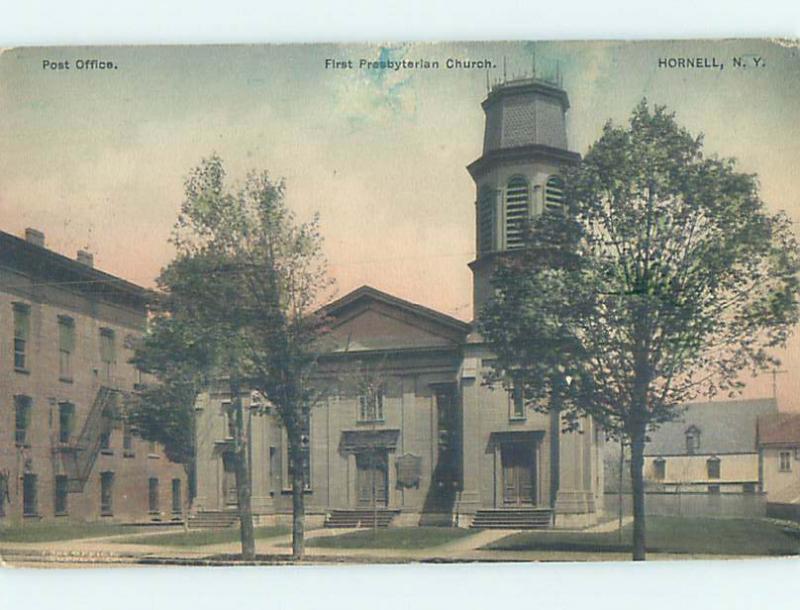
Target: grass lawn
(698,535)
(48,532)
(392,538)
(202,537)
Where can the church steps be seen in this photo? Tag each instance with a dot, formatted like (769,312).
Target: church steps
(513,518)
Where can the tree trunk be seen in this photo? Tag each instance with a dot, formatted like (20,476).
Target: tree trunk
(242,474)
(637,481)
(298,499)
(246,531)
(620,496)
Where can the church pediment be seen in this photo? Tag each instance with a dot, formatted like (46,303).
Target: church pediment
(367,319)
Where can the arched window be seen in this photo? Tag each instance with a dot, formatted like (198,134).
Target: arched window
(486,213)
(517,197)
(554,195)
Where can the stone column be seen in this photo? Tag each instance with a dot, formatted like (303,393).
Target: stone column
(574,506)
(470,499)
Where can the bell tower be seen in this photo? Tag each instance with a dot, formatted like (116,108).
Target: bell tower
(518,176)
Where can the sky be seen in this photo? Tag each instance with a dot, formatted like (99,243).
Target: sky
(96,159)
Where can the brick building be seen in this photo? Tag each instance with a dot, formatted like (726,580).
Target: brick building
(66,452)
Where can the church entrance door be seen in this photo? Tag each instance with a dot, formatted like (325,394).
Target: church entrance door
(372,478)
(519,478)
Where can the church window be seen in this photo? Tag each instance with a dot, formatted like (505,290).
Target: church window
(486,215)
(517,213)
(554,195)
(370,404)
(516,401)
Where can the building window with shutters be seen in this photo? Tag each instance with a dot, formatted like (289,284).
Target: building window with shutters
(127,441)
(66,346)
(60,501)
(713,467)
(486,222)
(30,501)
(105,442)
(785,464)
(22,419)
(5,492)
(107,494)
(659,469)
(108,356)
(66,418)
(554,195)
(22,331)
(152,494)
(517,211)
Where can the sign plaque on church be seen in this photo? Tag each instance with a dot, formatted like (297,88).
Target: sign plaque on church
(409,471)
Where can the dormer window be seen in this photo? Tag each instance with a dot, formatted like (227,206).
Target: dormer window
(692,440)
(517,211)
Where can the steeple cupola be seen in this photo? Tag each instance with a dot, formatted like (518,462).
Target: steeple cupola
(518,175)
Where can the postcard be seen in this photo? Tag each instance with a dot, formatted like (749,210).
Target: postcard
(393,303)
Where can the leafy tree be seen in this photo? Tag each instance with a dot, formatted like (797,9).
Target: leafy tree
(173,353)
(665,279)
(192,343)
(248,280)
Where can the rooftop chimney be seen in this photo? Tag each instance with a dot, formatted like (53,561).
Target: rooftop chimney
(35,237)
(86,258)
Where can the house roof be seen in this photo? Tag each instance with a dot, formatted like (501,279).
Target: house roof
(779,429)
(40,262)
(352,299)
(725,427)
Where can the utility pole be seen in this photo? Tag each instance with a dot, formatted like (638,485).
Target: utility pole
(775,372)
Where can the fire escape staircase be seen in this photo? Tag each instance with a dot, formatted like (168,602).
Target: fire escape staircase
(78,457)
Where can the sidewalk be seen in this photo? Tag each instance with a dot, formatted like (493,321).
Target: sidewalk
(103,552)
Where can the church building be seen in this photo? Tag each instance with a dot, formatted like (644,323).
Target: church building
(409,433)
